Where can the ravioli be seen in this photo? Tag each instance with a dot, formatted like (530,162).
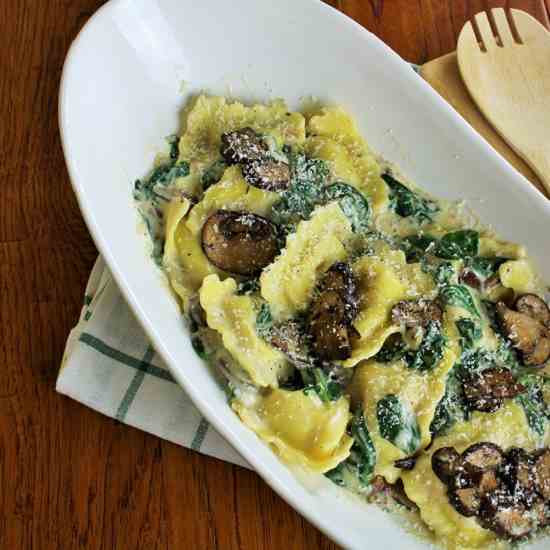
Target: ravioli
(318,441)
(506,428)
(234,317)
(360,325)
(317,243)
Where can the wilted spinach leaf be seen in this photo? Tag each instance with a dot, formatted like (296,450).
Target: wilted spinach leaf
(308,177)
(532,401)
(393,349)
(198,346)
(154,188)
(458,244)
(485,267)
(353,204)
(248,286)
(317,380)
(430,351)
(407,203)
(452,406)
(470,331)
(460,296)
(363,447)
(414,246)
(397,424)
(264,321)
(213,174)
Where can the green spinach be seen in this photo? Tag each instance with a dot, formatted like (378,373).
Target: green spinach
(407,203)
(534,406)
(308,178)
(470,332)
(430,351)
(460,296)
(393,349)
(397,424)
(415,246)
(452,406)
(264,321)
(363,447)
(317,380)
(353,204)
(458,244)
(485,267)
(213,174)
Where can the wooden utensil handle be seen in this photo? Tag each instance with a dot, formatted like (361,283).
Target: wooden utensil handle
(539,161)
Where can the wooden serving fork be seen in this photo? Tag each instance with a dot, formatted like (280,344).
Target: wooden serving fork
(504,60)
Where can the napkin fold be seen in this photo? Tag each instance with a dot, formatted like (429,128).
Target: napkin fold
(110,366)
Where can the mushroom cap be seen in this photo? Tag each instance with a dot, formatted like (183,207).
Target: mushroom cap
(239,242)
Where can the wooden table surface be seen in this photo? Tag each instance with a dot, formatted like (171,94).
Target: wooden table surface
(69,477)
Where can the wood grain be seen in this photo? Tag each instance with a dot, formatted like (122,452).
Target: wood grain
(70,478)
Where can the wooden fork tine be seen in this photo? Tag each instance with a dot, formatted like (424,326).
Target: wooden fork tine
(485,31)
(501,23)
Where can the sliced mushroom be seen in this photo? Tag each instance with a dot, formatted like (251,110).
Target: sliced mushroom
(519,475)
(481,457)
(534,307)
(513,522)
(469,278)
(541,512)
(291,340)
(331,340)
(417,313)
(542,473)
(540,354)
(523,331)
(487,482)
(405,463)
(267,173)
(239,242)
(340,278)
(465,501)
(397,492)
(444,462)
(485,390)
(242,145)
(332,313)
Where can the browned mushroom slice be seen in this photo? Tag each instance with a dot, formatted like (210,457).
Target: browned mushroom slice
(465,501)
(542,473)
(332,313)
(485,390)
(239,242)
(534,307)
(540,512)
(519,474)
(417,313)
(522,330)
(267,173)
(405,463)
(340,278)
(513,522)
(487,482)
(469,278)
(444,462)
(540,354)
(481,457)
(289,338)
(397,492)
(242,145)
(330,335)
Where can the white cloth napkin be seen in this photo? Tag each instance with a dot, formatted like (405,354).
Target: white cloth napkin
(110,366)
